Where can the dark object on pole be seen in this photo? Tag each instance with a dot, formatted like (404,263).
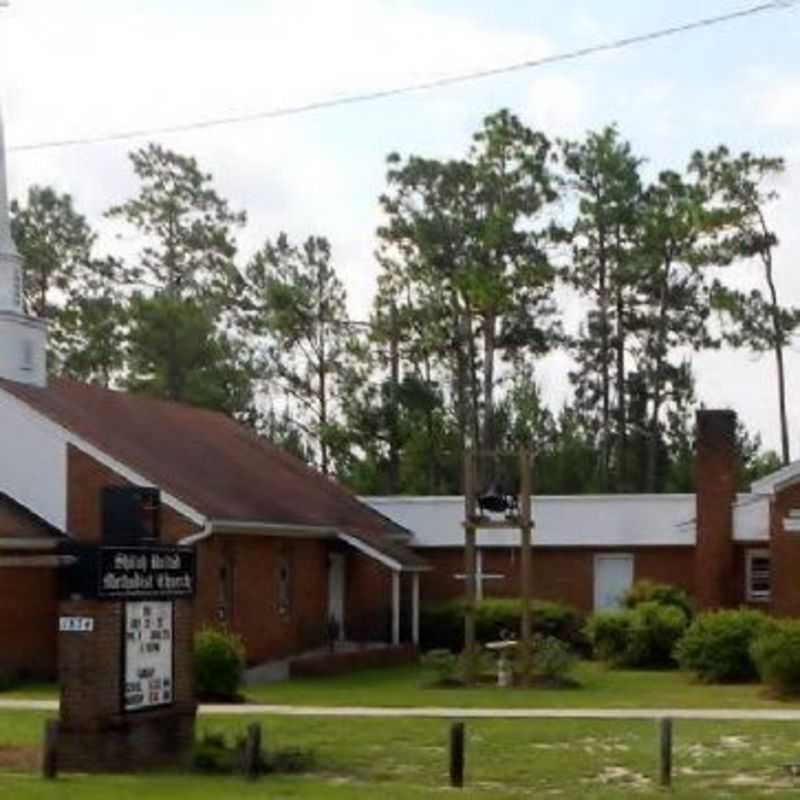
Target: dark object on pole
(497,501)
(664,751)
(50,750)
(457,754)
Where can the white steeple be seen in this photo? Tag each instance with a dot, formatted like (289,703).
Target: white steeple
(10,262)
(23,339)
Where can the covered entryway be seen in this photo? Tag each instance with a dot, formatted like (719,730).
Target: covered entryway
(613,576)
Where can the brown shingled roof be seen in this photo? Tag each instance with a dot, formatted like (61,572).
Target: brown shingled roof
(208,461)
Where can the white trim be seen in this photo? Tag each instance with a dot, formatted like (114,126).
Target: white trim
(372,552)
(777,480)
(68,437)
(759,597)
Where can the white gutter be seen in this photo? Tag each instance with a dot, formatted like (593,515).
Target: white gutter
(220,526)
(213,526)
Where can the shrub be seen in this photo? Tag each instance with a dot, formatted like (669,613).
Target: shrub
(218,663)
(647,591)
(655,630)
(213,754)
(644,636)
(443,663)
(442,626)
(609,634)
(776,654)
(553,660)
(716,647)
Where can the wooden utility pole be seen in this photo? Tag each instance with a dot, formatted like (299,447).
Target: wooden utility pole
(525,525)
(470,515)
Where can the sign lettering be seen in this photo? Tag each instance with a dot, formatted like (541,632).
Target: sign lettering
(148,655)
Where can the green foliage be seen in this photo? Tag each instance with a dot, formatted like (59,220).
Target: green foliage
(646,591)
(442,626)
(214,754)
(654,632)
(176,352)
(443,663)
(776,654)
(553,661)
(609,634)
(219,660)
(717,645)
(642,636)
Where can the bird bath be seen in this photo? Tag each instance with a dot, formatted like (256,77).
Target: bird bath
(503,649)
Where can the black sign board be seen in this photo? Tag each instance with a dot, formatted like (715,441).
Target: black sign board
(125,573)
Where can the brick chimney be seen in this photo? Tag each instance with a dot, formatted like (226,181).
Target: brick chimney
(715,481)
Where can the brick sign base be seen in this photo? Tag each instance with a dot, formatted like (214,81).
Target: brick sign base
(95,734)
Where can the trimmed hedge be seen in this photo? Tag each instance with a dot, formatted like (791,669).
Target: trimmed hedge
(442,626)
(219,659)
(717,646)
(644,636)
(776,654)
(665,594)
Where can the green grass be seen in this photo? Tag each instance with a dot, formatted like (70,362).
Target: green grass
(406,687)
(506,759)
(600,688)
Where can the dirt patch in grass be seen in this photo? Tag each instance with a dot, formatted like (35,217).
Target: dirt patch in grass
(24,758)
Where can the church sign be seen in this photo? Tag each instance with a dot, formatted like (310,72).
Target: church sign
(145,572)
(148,678)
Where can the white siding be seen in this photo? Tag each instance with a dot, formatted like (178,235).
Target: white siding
(751,519)
(575,521)
(33,461)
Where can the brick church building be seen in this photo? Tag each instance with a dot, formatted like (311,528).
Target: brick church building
(282,550)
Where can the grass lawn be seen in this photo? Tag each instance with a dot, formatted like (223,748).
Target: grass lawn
(409,686)
(407,759)
(600,688)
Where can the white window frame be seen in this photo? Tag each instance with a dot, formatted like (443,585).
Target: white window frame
(757,597)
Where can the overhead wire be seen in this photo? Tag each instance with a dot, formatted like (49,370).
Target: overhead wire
(437,83)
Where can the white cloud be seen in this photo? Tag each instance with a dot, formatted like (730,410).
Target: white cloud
(557,104)
(780,105)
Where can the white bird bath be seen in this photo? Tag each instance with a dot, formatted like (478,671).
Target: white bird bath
(503,649)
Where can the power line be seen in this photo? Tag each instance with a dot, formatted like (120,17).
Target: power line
(571,55)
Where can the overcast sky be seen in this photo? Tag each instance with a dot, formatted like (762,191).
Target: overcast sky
(79,68)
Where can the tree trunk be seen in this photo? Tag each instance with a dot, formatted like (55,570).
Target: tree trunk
(488,445)
(394,402)
(657,377)
(777,344)
(604,364)
(622,421)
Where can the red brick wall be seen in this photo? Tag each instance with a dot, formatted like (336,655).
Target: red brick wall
(715,477)
(28,614)
(249,592)
(368,598)
(563,574)
(785,551)
(95,734)
(86,477)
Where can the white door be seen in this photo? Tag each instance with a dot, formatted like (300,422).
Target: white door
(613,576)
(336,586)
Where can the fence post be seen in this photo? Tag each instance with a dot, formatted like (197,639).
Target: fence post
(457,754)
(50,751)
(664,751)
(251,765)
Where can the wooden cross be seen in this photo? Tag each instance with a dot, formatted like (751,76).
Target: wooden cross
(480,575)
